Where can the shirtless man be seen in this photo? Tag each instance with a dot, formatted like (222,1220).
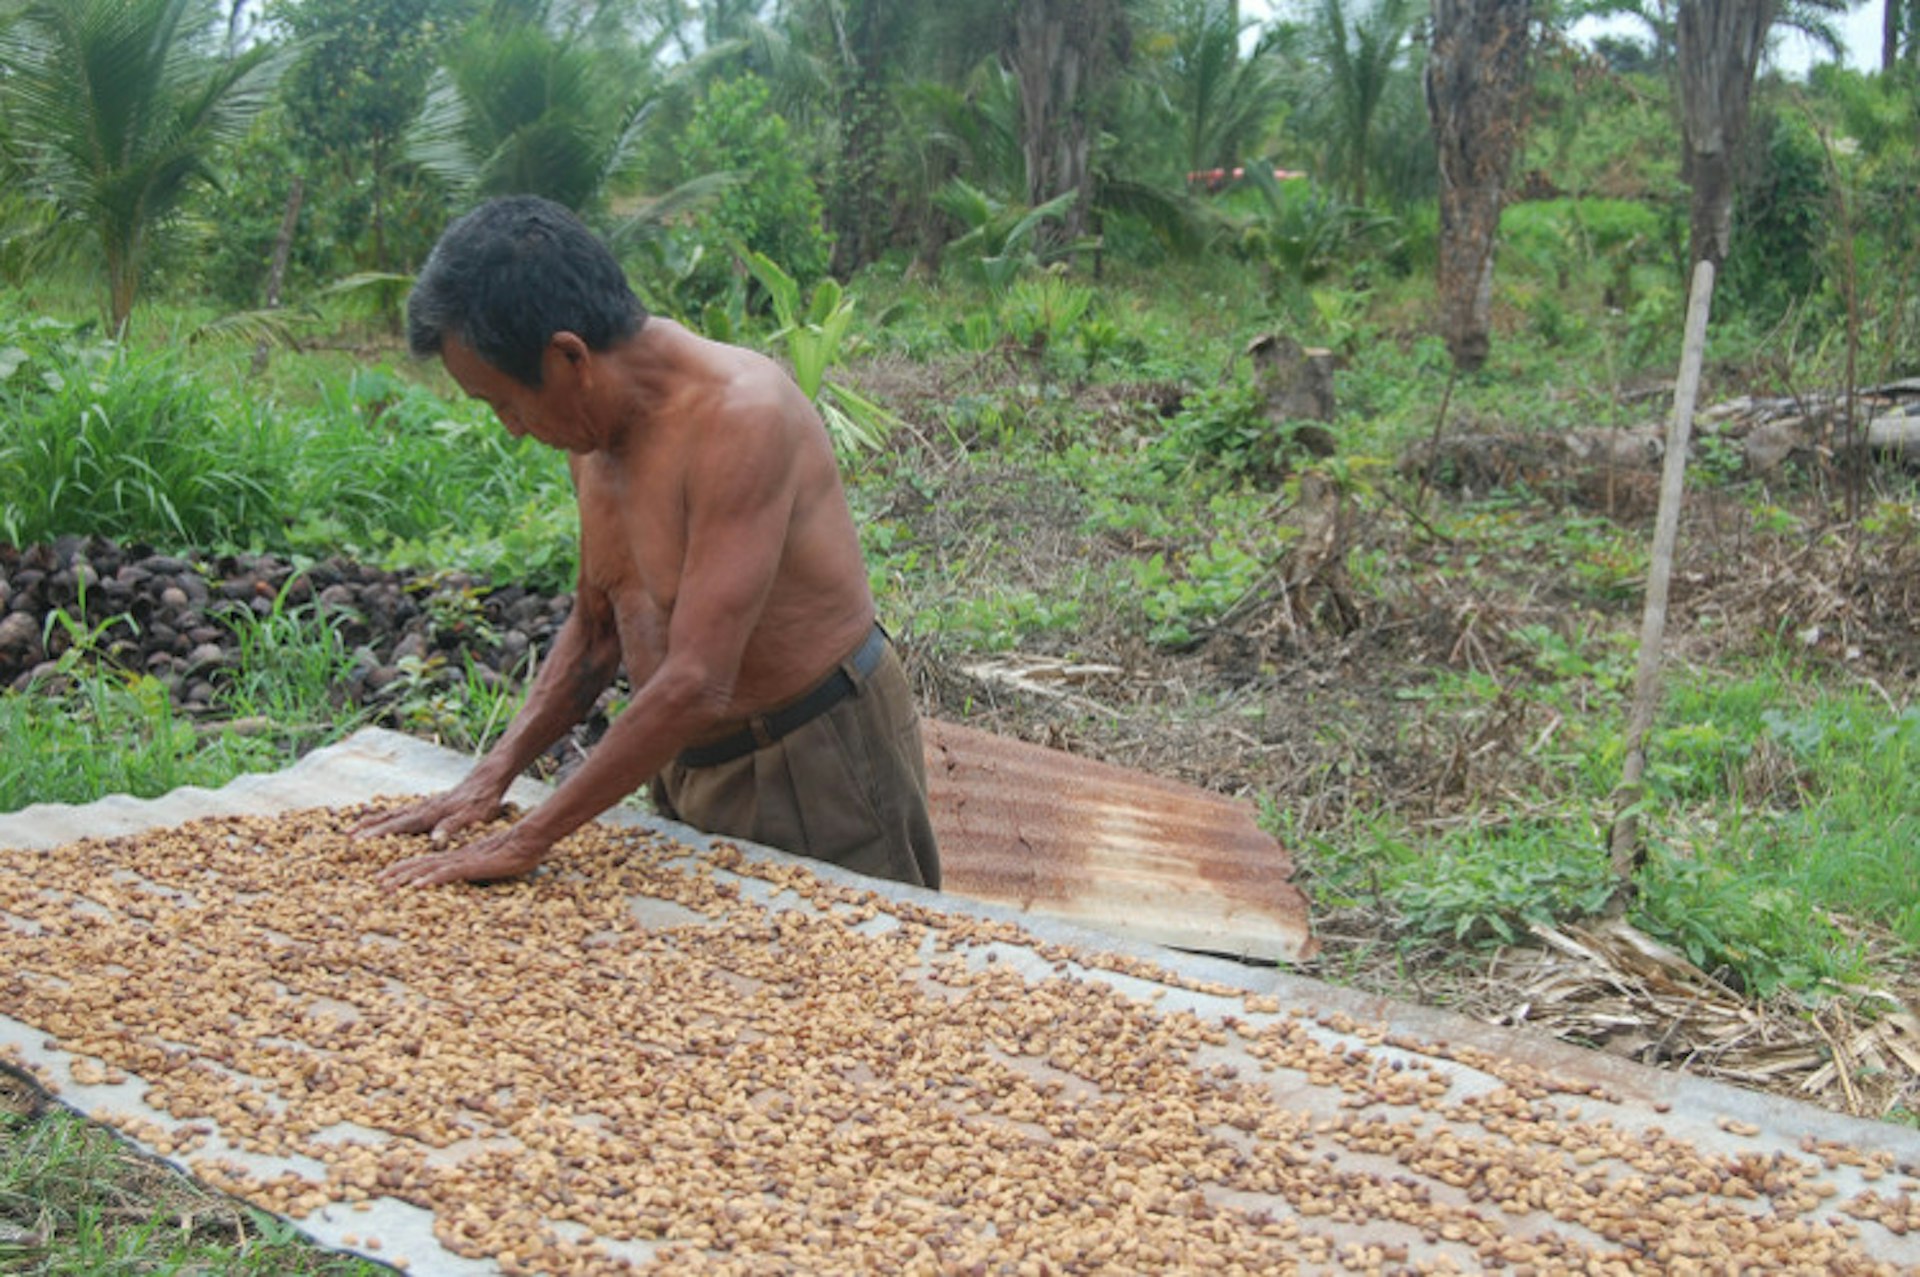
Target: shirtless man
(718,564)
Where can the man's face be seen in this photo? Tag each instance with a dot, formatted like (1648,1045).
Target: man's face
(553,412)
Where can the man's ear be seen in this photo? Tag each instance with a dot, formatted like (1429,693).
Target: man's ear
(566,351)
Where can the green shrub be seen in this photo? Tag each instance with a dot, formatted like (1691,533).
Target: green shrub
(774,210)
(1225,428)
(1779,219)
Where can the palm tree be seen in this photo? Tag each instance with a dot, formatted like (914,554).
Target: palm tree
(118,107)
(520,108)
(528,106)
(1476,73)
(1064,55)
(1720,44)
(1362,55)
(1224,101)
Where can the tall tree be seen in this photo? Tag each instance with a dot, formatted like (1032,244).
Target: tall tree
(1064,53)
(120,107)
(1719,45)
(360,78)
(868,39)
(1476,73)
(523,106)
(1225,101)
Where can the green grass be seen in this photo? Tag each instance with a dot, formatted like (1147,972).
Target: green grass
(113,734)
(288,672)
(134,447)
(1776,808)
(76,1202)
(166,448)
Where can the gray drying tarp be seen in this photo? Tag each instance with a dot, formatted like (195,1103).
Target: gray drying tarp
(1711,1117)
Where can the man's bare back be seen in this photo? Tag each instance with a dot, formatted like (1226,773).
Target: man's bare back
(719,564)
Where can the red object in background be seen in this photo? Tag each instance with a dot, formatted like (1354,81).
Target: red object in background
(1218,179)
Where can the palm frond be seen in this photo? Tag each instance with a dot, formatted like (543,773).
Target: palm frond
(1182,223)
(649,218)
(252,327)
(437,139)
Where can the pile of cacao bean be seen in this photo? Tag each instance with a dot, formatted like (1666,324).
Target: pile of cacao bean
(182,619)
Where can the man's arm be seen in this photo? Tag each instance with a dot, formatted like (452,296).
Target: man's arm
(581,664)
(739,501)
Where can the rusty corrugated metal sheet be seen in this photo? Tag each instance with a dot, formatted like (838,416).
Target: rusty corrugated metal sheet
(1065,837)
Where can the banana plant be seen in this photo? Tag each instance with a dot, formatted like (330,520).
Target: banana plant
(815,339)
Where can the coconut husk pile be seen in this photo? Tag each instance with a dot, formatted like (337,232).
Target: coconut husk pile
(1610,985)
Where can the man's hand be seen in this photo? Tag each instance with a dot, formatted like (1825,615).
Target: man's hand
(505,853)
(440,816)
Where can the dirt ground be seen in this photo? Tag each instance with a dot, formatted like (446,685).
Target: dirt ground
(1309,695)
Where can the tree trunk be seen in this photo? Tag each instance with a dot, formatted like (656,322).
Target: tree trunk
(1476,72)
(1061,51)
(123,283)
(1719,43)
(277,270)
(856,201)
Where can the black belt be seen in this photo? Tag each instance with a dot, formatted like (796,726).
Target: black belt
(765,729)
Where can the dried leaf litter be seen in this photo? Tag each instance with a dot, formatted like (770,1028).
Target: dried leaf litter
(807,1077)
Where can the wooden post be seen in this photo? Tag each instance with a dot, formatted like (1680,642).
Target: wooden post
(1624,840)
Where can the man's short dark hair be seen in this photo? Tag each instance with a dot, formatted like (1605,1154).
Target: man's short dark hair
(508,276)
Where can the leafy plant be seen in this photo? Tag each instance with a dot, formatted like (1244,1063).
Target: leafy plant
(1750,930)
(1490,887)
(1178,598)
(123,104)
(1224,427)
(1045,312)
(814,341)
(774,209)
(1002,239)
(1303,235)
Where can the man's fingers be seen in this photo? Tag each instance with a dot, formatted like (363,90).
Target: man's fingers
(409,821)
(464,818)
(416,871)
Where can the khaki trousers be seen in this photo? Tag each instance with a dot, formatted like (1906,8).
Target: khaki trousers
(848,787)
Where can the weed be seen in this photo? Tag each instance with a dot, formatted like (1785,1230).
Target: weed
(289,669)
(1044,313)
(1177,601)
(998,621)
(1489,885)
(1747,928)
(1225,428)
(108,733)
(816,340)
